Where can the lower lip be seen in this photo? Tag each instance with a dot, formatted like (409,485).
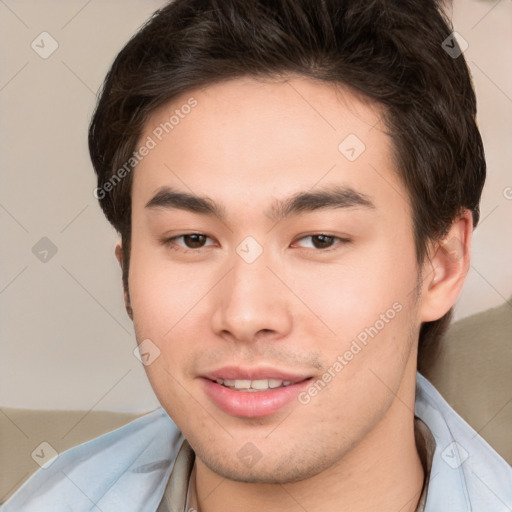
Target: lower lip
(252,404)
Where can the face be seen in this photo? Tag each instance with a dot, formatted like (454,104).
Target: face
(291,270)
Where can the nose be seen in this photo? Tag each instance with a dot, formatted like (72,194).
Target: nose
(252,303)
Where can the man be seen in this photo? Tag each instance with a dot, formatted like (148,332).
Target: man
(295,184)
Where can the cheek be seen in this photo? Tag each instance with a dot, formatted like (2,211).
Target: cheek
(352,295)
(161,293)
(162,299)
(369,305)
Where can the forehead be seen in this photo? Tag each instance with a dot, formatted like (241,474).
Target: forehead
(245,140)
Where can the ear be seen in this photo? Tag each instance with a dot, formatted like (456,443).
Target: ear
(445,271)
(120,258)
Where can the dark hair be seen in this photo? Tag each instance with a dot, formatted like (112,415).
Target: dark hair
(394,52)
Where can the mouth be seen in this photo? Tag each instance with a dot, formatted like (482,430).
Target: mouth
(251,386)
(253,393)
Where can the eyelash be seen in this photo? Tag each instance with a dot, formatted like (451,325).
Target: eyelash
(170,242)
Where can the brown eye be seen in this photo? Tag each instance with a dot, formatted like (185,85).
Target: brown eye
(194,241)
(188,242)
(322,241)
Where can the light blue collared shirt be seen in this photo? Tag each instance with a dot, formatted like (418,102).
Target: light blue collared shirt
(127,470)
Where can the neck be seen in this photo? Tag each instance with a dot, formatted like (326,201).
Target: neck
(383,472)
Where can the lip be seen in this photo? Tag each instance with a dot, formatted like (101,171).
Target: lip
(258,404)
(254,373)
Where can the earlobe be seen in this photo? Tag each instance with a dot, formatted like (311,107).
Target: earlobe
(445,271)
(126,293)
(119,254)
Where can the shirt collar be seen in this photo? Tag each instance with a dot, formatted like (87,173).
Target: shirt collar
(175,498)
(175,494)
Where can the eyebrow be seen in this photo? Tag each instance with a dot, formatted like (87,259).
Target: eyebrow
(332,197)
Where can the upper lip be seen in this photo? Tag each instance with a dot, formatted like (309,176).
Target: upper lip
(254,373)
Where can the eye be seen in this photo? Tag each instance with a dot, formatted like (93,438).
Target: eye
(323,241)
(191,241)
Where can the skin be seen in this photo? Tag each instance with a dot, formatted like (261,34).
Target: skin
(297,307)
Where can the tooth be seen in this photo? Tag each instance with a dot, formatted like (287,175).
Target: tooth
(242,384)
(254,385)
(259,384)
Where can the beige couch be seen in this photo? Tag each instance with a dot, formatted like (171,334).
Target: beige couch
(473,372)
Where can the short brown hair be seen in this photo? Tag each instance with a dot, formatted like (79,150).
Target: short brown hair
(394,52)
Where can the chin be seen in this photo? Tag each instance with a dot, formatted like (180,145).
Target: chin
(282,470)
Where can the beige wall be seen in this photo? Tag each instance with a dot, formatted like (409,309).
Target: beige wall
(66,339)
